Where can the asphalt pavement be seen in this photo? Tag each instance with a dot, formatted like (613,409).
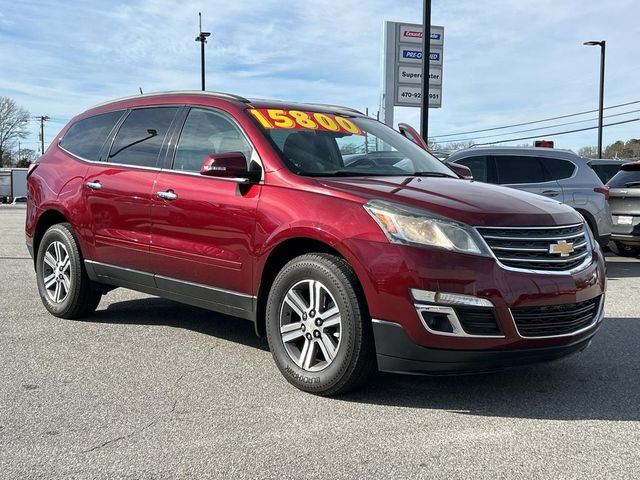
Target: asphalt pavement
(150,389)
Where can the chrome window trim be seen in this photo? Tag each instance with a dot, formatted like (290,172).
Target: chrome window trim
(198,175)
(98,162)
(597,318)
(171,170)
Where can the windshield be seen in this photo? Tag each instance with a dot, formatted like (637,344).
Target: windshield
(324,144)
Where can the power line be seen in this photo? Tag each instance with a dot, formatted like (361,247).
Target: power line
(541,128)
(558,133)
(534,121)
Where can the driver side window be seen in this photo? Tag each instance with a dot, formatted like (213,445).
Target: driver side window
(207,132)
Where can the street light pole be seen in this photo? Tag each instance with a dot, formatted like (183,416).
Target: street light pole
(602,44)
(426,54)
(202,38)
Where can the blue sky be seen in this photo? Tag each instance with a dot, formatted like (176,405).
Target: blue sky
(504,61)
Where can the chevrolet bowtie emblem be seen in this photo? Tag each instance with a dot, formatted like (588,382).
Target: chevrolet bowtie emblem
(562,247)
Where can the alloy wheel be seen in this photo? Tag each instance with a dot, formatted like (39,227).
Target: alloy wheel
(56,272)
(310,325)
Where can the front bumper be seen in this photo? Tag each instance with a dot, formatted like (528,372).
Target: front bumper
(394,271)
(396,353)
(628,234)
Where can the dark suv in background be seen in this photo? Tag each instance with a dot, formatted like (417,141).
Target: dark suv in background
(558,174)
(624,201)
(348,246)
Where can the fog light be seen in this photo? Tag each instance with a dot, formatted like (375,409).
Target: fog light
(449,298)
(437,322)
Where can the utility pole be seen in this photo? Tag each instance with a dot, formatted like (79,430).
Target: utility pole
(602,44)
(18,150)
(202,38)
(42,119)
(426,54)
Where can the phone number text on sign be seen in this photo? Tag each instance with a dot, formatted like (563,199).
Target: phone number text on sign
(298,120)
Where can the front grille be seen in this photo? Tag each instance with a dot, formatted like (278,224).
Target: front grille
(478,321)
(530,248)
(555,320)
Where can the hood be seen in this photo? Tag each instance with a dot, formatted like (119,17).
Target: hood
(473,203)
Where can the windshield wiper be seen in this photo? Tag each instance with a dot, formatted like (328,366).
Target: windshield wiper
(429,174)
(350,173)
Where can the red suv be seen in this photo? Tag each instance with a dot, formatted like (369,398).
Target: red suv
(349,247)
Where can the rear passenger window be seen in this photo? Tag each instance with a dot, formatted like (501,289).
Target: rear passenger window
(558,169)
(207,132)
(513,169)
(478,167)
(141,136)
(86,137)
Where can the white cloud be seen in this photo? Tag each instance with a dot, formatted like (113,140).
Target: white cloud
(505,61)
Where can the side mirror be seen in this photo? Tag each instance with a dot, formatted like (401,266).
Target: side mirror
(462,170)
(411,133)
(225,165)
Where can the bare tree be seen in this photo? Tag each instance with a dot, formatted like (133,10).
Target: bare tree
(589,152)
(13,123)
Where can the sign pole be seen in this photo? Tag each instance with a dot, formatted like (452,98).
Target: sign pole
(426,49)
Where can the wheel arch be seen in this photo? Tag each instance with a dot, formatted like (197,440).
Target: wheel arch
(46,220)
(591,221)
(282,253)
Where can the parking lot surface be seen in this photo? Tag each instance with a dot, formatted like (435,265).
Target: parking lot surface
(149,388)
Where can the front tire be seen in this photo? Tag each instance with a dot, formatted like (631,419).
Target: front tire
(63,284)
(317,327)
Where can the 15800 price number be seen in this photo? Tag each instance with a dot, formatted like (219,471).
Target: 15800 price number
(298,119)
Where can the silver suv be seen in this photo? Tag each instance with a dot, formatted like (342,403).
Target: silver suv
(558,174)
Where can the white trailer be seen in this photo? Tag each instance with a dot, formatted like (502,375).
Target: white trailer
(19,182)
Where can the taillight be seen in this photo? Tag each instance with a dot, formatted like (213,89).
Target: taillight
(603,190)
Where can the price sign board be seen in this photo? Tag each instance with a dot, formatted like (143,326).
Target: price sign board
(403,59)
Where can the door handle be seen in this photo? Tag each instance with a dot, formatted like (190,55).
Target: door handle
(551,193)
(168,195)
(94,185)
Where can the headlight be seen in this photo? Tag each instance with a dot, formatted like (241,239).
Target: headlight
(408,226)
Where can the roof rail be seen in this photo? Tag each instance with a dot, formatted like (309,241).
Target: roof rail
(228,96)
(349,109)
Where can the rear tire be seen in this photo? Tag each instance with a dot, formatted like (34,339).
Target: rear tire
(63,284)
(625,250)
(318,330)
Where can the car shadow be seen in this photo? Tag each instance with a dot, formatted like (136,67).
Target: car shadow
(159,311)
(601,383)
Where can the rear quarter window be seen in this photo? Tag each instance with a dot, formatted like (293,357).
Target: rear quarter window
(86,137)
(558,169)
(605,172)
